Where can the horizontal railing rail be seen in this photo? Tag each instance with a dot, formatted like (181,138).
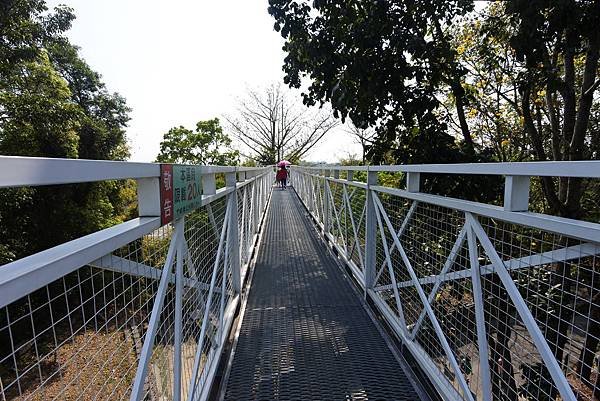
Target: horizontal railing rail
(493,302)
(140,310)
(584,168)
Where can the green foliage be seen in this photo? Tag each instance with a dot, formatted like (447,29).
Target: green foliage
(374,62)
(38,117)
(206,145)
(101,132)
(52,104)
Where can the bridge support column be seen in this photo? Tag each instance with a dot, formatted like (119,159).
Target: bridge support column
(233,239)
(370,233)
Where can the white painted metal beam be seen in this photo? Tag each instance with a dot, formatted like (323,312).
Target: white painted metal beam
(16,171)
(587,168)
(26,275)
(556,255)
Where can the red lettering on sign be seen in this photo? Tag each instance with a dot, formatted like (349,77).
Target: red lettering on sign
(166,194)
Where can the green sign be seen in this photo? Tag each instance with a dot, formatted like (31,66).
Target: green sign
(187,189)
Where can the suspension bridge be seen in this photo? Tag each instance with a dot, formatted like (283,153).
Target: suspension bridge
(338,288)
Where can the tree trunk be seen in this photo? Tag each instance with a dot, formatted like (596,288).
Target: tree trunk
(586,358)
(538,147)
(459,95)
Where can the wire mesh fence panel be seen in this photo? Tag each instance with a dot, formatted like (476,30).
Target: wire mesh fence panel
(80,336)
(557,278)
(203,233)
(144,321)
(356,222)
(493,305)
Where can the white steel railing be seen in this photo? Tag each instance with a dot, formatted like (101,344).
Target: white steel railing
(138,311)
(493,302)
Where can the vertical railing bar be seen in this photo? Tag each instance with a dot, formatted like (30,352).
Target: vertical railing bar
(256,212)
(197,357)
(242,234)
(179,228)
(147,347)
(233,242)
(224,289)
(482,343)
(370,232)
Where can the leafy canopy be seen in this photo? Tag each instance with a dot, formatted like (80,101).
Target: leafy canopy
(375,62)
(206,145)
(52,104)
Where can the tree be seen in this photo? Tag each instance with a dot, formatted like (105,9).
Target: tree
(105,115)
(377,63)
(552,38)
(43,113)
(491,87)
(365,137)
(533,69)
(207,145)
(274,126)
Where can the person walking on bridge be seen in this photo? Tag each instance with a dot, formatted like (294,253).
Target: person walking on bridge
(281,177)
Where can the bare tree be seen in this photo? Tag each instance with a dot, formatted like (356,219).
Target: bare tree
(364,136)
(273,125)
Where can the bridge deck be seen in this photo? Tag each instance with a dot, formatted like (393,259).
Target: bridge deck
(305,333)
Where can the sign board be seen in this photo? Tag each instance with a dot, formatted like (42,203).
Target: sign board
(180,191)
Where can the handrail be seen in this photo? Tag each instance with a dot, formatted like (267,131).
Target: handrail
(26,275)
(19,171)
(585,168)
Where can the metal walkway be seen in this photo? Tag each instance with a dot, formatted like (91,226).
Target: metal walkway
(305,333)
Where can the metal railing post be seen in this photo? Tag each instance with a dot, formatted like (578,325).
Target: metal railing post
(413,182)
(254,202)
(233,240)
(370,233)
(326,206)
(148,195)
(180,228)
(516,193)
(209,184)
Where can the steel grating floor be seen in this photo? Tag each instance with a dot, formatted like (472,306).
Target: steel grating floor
(305,334)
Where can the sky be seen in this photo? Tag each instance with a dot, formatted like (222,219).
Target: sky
(177,62)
